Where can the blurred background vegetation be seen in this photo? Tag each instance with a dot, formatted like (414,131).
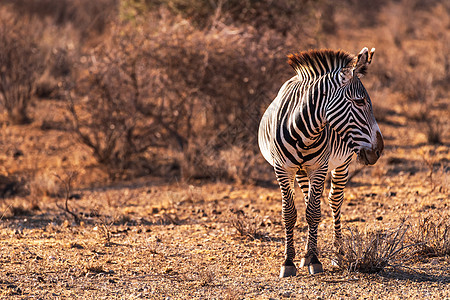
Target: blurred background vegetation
(176,88)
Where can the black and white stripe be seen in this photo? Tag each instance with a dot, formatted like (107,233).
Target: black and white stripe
(319,118)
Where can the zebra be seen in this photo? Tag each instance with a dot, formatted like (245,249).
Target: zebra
(319,119)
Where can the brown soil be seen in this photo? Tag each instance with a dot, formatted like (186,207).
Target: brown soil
(152,238)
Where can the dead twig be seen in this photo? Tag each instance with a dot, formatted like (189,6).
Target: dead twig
(67,184)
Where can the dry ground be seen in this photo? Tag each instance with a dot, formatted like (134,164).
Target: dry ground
(156,239)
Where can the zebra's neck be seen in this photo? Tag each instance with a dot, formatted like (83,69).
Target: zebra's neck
(309,119)
(312,108)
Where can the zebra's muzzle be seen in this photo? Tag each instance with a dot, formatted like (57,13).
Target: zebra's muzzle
(368,157)
(371,156)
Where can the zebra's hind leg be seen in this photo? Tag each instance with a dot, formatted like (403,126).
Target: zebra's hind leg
(313,216)
(289,213)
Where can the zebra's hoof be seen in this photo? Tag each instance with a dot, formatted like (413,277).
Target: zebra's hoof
(315,268)
(305,262)
(287,271)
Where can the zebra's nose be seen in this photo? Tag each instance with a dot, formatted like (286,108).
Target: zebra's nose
(378,154)
(380,145)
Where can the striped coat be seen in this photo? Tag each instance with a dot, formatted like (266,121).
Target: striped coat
(319,119)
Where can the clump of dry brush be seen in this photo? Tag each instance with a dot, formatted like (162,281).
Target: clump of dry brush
(372,251)
(431,234)
(21,64)
(247,226)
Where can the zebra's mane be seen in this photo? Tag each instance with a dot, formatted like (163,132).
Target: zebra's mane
(316,63)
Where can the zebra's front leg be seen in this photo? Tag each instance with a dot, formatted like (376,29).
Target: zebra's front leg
(339,178)
(313,216)
(303,183)
(289,214)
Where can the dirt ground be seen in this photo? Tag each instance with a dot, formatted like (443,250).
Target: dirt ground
(161,239)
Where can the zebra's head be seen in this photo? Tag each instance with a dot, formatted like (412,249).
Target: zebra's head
(350,112)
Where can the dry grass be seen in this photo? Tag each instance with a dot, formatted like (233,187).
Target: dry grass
(432,235)
(67,183)
(248,227)
(372,251)
(436,171)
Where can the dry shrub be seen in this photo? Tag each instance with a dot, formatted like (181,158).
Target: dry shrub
(46,86)
(371,251)
(310,17)
(432,235)
(187,81)
(21,63)
(206,277)
(244,165)
(233,163)
(58,68)
(415,63)
(247,227)
(146,89)
(90,18)
(11,186)
(66,181)
(434,130)
(223,76)
(105,104)
(199,160)
(436,171)
(42,185)
(239,164)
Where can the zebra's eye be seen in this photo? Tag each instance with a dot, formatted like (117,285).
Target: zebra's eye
(360,101)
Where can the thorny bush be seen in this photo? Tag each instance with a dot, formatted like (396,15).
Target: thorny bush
(178,88)
(371,251)
(105,103)
(432,235)
(186,82)
(21,64)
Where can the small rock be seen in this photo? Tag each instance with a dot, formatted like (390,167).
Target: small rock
(18,153)
(286,294)
(76,246)
(75,197)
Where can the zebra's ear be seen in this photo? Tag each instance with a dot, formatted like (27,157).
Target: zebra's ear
(345,75)
(364,59)
(358,67)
